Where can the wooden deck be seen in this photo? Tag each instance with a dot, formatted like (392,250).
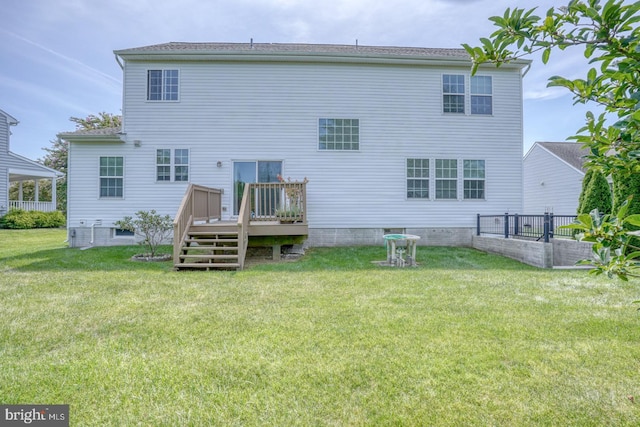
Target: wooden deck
(203,241)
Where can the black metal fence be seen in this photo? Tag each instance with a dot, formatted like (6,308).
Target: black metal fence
(538,227)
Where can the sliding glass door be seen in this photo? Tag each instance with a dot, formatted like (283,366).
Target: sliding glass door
(255,171)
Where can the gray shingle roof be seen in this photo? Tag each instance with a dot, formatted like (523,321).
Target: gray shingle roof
(296,48)
(111,132)
(570,152)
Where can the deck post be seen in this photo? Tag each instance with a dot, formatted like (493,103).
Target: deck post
(276,252)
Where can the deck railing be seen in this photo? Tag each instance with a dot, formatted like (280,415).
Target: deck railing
(198,204)
(539,227)
(32,206)
(244,216)
(278,201)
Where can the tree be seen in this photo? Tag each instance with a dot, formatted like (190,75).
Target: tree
(101,121)
(585,183)
(609,36)
(596,194)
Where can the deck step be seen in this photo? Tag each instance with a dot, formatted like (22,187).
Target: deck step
(213,233)
(211,241)
(202,256)
(210,247)
(206,265)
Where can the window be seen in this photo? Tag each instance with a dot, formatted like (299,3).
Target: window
(172,168)
(162,85)
(446,178)
(119,232)
(111,176)
(453,93)
(339,134)
(481,95)
(474,179)
(418,178)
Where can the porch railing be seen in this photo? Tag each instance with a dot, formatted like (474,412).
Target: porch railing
(32,206)
(198,204)
(278,201)
(539,227)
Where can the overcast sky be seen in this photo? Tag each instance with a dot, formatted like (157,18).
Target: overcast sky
(57,57)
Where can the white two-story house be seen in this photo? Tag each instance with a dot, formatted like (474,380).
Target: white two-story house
(389,138)
(18,169)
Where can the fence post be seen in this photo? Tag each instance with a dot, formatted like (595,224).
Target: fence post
(478,225)
(506,225)
(551,225)
(516,225)
(546,227)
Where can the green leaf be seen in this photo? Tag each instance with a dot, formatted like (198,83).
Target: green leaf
(633,220)
(545,55)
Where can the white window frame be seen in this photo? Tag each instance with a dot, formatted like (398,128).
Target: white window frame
(443,179)
(173,165)
(462,94)
(352,136)
(470,92)
(477,94)
(410,170)
(116,177)
(164,93)
(468,178)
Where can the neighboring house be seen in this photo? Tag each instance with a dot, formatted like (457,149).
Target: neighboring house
(553,173)
(390,138)
(18,169)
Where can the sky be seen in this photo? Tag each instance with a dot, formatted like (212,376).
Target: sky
(57,61)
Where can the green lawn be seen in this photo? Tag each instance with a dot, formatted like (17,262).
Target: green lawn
(466,339)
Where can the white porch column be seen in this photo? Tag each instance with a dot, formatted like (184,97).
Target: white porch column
(36,190)
(53,194)
(20,195)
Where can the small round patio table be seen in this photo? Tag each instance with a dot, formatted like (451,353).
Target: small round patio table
(395,241)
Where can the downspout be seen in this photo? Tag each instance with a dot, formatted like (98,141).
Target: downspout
(119,63)
(93,227)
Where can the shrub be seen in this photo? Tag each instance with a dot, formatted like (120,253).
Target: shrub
(596,194)
(21,219)
(151,226)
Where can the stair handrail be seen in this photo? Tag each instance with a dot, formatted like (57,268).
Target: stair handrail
(189,207)
(244,216)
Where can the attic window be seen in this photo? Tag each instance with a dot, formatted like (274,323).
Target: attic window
(162,85)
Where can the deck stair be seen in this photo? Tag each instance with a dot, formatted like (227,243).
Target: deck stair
(202,240)
(210,246)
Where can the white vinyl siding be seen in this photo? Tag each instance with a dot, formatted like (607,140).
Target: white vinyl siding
(550,184)
(235,111)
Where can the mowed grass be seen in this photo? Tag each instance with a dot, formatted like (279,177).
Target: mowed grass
(465,339)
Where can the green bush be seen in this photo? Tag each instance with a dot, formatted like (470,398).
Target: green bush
(21,219)
(596,193)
